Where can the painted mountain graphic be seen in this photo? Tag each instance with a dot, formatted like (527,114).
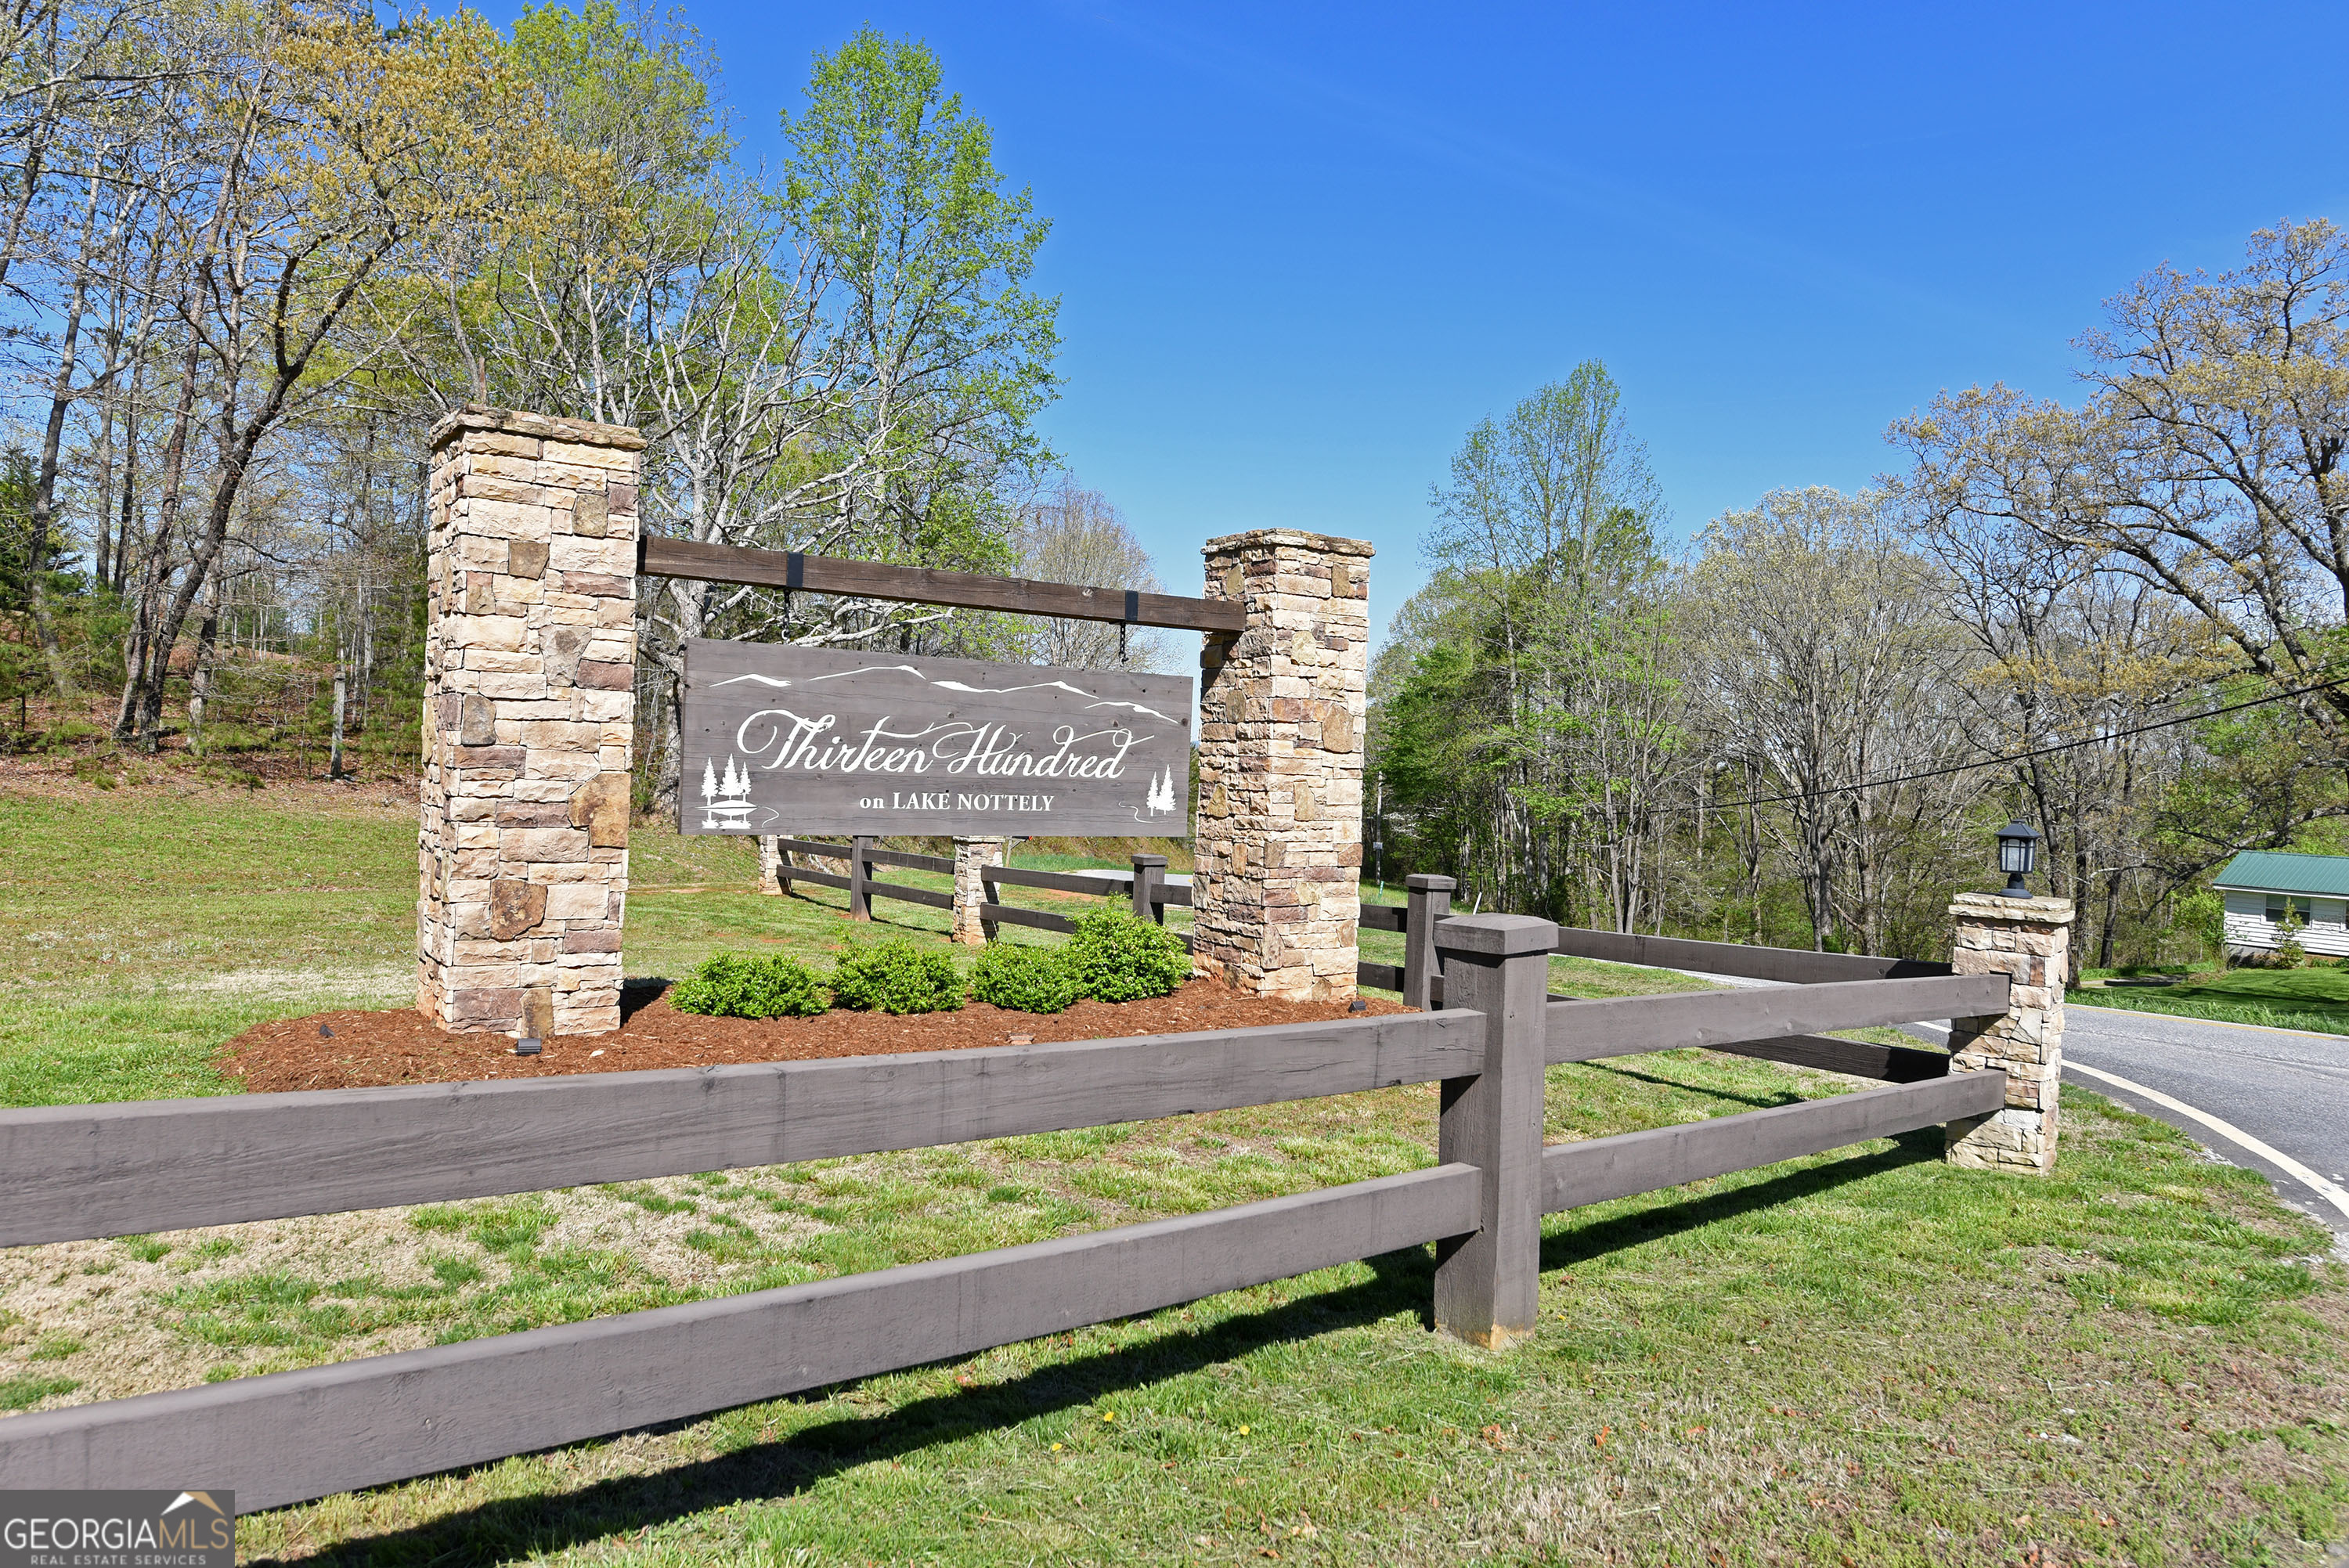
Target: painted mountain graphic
(953,685)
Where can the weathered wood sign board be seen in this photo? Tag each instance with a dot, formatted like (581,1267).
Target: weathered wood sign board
(790,740)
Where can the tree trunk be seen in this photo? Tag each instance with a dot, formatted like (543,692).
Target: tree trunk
(140,640)
(200,682)
(44,484)
(334,747)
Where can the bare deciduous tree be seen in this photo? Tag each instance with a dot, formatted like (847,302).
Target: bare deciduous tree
(1072,535)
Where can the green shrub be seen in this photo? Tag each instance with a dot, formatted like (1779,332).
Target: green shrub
(750,985)
(1024,979)
(1118,958)
(896,977)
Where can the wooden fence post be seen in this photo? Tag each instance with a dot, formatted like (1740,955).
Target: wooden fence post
(1149,877)
(860,873)
(1429,902)
(1488,1284)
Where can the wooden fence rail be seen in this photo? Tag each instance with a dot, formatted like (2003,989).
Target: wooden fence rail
(1420,981)
(1858,1059)
(1585,1031)
(73,1171)
(78,1172)
(1792,965)
(1600,1168)
(286,1437)
(1144,886)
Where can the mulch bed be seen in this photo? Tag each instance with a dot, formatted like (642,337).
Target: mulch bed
(358,1050)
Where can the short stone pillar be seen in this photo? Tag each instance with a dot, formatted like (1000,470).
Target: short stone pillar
(528,669)
(2029,940)
(770,864)
(1275,893)
(971,858)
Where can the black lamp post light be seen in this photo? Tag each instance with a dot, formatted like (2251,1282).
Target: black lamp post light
(2018,851)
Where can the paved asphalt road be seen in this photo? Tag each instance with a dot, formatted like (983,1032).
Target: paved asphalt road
(2286,1088)
(2283,1087)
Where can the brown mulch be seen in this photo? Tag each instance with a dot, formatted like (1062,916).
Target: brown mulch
(368,1049)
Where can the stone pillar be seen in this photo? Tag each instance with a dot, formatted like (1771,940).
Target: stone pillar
(528,669)
(972,856)
(1276,888)
(771,865)
(2028,940)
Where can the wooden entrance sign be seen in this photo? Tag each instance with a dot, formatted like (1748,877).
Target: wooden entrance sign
(792,740)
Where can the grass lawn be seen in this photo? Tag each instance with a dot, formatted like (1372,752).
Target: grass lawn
(1865,1357)
(2314,998)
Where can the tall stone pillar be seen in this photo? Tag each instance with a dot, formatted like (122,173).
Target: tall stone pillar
(530,664)
(972,859)
(2029,940)
(1276,894)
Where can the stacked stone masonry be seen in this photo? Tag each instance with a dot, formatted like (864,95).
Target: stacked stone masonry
(530,669)
(2029,940)
(1276,893)
(972,859)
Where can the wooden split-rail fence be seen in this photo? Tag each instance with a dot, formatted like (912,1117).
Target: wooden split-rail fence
(78,1171)
(1146,886)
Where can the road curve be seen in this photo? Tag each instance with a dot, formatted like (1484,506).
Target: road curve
(2286,1088)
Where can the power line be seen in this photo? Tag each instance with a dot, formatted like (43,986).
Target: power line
(2026,756)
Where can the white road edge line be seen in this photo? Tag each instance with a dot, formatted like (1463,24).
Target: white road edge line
(2330,1191)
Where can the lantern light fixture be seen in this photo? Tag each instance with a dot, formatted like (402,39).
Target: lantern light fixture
(2018,851)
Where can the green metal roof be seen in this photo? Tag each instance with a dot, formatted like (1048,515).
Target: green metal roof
(2269,871)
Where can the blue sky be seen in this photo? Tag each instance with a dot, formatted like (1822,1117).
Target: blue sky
(1300,250)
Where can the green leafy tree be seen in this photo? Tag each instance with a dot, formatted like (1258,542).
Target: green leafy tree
(1559,716)
(843,356)
(897,186)
(2202,915)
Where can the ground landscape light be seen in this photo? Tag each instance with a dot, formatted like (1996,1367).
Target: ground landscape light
(2018,851)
